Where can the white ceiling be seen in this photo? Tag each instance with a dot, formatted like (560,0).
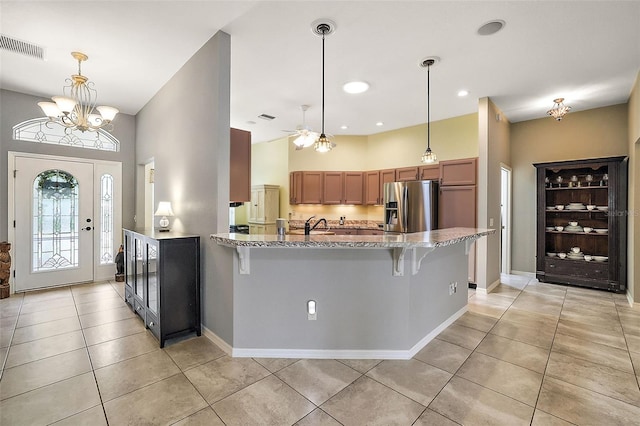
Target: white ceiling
(586,52)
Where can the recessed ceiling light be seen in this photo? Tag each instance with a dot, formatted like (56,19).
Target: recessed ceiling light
(344,127)
(355,87)
(463,93)
(379,123)
(491,27)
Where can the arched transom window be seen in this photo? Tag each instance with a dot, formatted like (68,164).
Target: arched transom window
(41,130)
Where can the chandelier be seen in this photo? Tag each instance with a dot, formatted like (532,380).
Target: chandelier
(428,156)
(323,28)
(75,109)
(559,109)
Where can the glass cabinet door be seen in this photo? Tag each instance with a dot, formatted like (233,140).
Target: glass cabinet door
(140,267)
(130,261)
(152,277)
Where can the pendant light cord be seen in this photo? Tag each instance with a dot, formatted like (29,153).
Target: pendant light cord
(428,109)
(323,32)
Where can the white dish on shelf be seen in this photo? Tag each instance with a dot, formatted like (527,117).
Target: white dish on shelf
(574,224)
(559,228)
(586,229)
(591,206)
(603,208)
(588,258)
(600,258)
(559,207)
(562,255)
(551,254)
(551,207)
(601,230)
(549,228)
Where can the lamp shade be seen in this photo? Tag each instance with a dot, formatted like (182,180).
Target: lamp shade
(65,104)
(164,209)
(50,109)
(108,113)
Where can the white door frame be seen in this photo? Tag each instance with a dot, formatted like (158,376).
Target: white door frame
(505,217)
(100,272)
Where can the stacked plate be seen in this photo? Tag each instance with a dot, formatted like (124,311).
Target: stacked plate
(575,256)
(576,206)
(576,228)
(601,230)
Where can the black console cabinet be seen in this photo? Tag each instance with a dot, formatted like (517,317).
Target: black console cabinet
(582,223)
(162,282)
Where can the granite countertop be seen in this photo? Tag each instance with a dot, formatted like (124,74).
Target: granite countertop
(436,238)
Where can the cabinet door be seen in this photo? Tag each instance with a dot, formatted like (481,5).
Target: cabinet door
(457,207)
(332,187)
(140,267)
(406,174)
(458,172)
(430,172)
(256,208)
(239,165)
(271,209)
(153,289)
(311,188)
(353,188)
(295,187)
(129,261)
(386,176)
(372,188)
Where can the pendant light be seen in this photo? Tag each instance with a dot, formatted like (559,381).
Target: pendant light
(323,28)
(559,109)
(428,157)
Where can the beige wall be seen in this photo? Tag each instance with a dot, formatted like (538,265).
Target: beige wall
(599,132)
(269,166)
(450,139)
(633,254)
(493,146)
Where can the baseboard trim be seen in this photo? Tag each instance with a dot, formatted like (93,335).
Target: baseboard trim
(217,340)
(331,353)
(489,289)
(525,273)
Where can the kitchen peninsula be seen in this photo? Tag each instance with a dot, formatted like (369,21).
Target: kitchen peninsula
(376,296)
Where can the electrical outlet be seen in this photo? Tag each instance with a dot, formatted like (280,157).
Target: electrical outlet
(452,288)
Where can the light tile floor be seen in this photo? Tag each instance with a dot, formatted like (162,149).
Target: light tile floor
(528,353)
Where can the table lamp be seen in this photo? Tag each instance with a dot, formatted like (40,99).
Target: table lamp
(164,210)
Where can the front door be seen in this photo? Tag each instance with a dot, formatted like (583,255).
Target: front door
(54,222)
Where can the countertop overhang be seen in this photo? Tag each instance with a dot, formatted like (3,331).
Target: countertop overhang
(418,244)
(436,238)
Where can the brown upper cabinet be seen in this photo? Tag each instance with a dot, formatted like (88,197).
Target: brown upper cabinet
(430,172)
(311,188)
(406,174)
(353,192)
(372,188)
(240,166)
(342,188)
(295,187)
(458,172)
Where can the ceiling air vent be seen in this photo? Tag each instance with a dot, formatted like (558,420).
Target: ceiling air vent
(266,117)
(21,47)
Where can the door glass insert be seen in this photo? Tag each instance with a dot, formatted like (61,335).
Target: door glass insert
(55,221)
(152,277)
(106,219)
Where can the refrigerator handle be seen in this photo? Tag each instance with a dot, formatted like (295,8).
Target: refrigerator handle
(405,211)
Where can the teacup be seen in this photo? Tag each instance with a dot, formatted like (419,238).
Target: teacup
(588,258)
(559,228)
(560,207)
(591,206)
(573,223)
(562,255)
(587,229)
(575,249)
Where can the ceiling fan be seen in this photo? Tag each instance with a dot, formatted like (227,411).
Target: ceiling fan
(304,136)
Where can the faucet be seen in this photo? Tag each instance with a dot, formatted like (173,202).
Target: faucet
(308,228)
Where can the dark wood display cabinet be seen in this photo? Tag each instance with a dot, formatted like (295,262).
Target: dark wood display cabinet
(162,281)
(582,223)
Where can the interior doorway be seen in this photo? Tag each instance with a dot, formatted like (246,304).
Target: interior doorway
(149,203)
(505,219)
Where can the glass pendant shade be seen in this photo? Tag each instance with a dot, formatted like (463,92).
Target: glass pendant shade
(428,157)
(50,109)
(323,144)
(64,103)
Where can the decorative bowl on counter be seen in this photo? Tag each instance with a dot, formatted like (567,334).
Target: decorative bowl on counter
(600,258)
(550,254)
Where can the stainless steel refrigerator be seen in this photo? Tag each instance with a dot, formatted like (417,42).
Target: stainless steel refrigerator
(411,206)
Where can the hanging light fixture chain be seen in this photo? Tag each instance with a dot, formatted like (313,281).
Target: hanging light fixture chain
(323,31)
(428,107)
